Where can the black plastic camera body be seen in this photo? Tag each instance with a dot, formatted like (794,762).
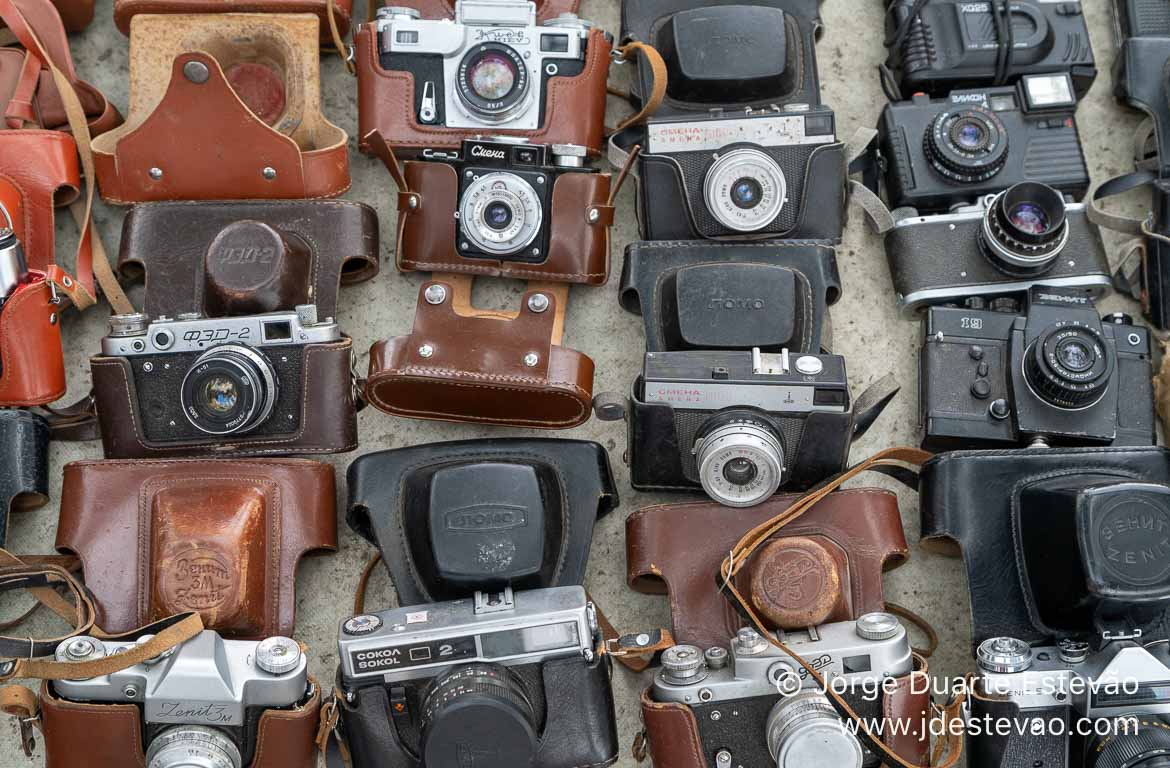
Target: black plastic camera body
(964,44)
(1001,246)
(1056,373)
(941,152)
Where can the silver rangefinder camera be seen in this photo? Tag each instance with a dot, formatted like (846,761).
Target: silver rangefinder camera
(201,702)
(498,680)
(756,688)
(490,67)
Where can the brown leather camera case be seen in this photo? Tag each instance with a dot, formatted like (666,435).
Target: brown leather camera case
(242,257)
(110,735)
(578,235)
(825,566)
(38,171)
(191,135)
(574,106)
(126,10)
(219,537)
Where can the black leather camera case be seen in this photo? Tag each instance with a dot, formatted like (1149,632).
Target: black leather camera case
(452,518)
(696,295)
(1055,540)
(24,456)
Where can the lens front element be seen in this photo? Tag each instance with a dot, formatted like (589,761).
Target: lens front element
(745,190)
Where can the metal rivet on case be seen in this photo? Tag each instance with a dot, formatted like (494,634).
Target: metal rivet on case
(269,172)
(156,173)
(53,318)
(196,72)
(412,202)
(435,294)
(7,667)
(426,350)
(594,216)
(538,302)
(531,359)
(67,281)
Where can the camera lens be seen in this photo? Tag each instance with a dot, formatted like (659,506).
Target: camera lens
(229,389)
(1025,228)
(745,190)
(1134,741)
(193,746)
(804,729)
(477,714)
(1068,366)
(740,458)
(500,213)
(493,82)
(967,145)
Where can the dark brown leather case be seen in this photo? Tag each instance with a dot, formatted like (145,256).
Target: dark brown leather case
(113,734)
(126,10)
(464,364)
(268,140)
(242,257)
(574,106)
(218,537)
(578,247)
(825,566)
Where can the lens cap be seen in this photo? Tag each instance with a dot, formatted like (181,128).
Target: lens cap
(796,582)
(478,715)
(1126,528)
(732,306)
(486,523)
(251,268)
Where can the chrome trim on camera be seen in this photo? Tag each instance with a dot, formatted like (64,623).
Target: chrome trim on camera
(908,305)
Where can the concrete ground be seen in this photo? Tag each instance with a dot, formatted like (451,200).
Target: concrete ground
(867,331)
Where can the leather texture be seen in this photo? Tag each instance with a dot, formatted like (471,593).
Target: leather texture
(229,258)
(969,503)
(32,366)
(651,270)
(28,92)
(126,10)
(476,370)
(445,9)
(390,496)
(574,106)
(222,538)
(114,734)
(38,171)
(578,249)
(24,454)
(328,422)
(163,150)
(826,566)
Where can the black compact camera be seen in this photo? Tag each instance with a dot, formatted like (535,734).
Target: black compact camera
(1003,245)
(775,172)
(504,209)
(940,152)
(1056,373)
(496,680)
(938,46)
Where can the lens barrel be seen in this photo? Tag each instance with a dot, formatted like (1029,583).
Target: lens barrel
(493,82)
(478,714)
(229,389)
(966,146)
(193,746)
(1146,746)
(1069,366)
(804,729)
(740,458)
(1025,228)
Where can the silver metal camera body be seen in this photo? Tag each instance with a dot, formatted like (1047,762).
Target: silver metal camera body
(199,699)
(488,67)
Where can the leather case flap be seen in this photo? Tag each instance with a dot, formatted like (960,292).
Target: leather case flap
(220,537)
(24,445)
(445,9)
(249,256)
(113,734)
(521,510)
(825,566)
(269,138)
(578,248)
(32,368)
(38,171)
(126,10)
(75,14)
(463,364)
(574,106)
(658,276)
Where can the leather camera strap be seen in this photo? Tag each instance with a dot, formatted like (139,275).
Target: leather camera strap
(344,51)
(747,546)
(657,64)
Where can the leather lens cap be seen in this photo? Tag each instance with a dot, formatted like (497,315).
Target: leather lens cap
(260,87)
(795,582)
(252,268)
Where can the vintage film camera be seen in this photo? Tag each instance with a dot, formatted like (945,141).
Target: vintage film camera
(946,44)
(739,425)
(1123,684)
(1005,244)
(499,679)
(1056,373)
(776,171)
(490,67)
(202,703)
(197,379)
(939,152)
(756,706)
(504,209)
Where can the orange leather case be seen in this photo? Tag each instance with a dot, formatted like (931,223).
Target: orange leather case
(169,149)
(33,369)
(574,110)
(38,170)
(220,537)
(110,735)
(126,10)
(578,248)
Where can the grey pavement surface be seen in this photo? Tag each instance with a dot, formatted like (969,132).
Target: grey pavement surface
(867,331)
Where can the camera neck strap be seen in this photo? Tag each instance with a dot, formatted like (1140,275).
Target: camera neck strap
(648,55)
(948,751)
